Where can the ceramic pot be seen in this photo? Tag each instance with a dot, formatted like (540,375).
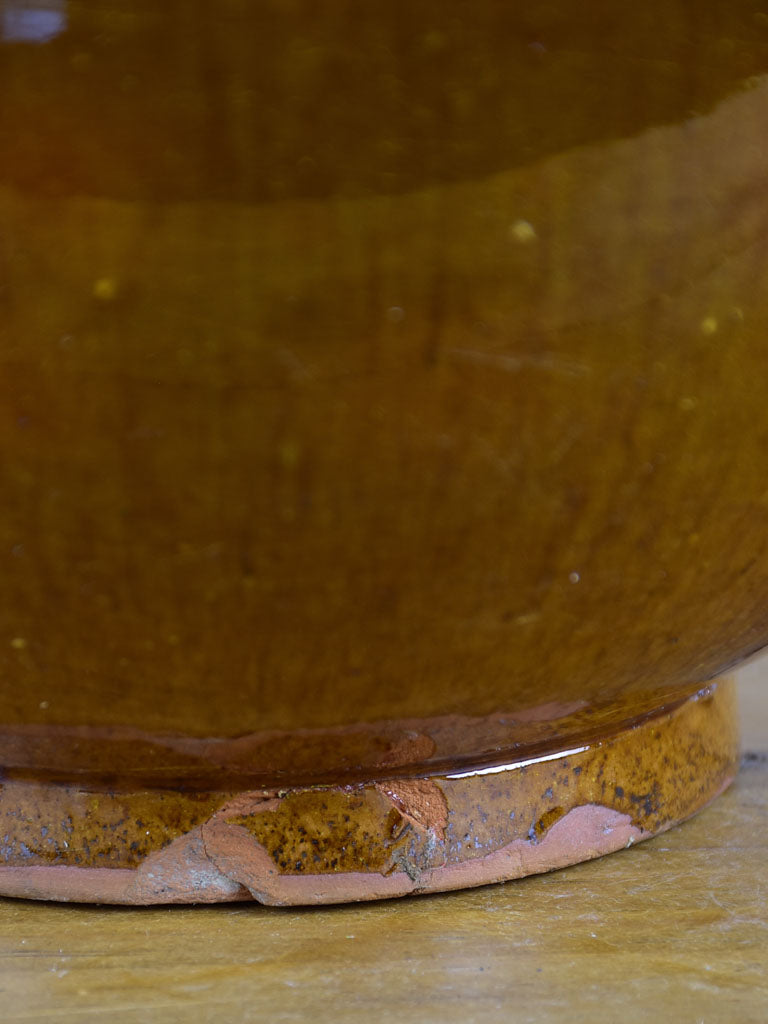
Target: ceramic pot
(383,439)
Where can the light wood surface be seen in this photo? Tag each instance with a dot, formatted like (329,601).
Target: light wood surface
(675,929)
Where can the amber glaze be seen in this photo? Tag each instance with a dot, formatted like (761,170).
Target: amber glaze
(392,837)
(381,390)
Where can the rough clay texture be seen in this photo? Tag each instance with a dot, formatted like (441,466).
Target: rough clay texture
(222,862)
(367,841)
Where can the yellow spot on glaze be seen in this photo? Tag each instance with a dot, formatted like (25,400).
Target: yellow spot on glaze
(522,231)
(105,289)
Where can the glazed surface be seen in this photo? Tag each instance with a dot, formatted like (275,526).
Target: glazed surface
(395,837)
(331,397)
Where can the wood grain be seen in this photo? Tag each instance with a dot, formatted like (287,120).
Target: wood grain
(676,927)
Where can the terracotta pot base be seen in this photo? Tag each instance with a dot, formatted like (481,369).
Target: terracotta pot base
(371,839)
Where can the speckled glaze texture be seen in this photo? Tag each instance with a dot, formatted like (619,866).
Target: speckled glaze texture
(366,840)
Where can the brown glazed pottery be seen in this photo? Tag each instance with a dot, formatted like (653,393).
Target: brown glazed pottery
(383,437)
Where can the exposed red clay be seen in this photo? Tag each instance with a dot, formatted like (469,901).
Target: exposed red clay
(222,862)
(389,837)
(420,801)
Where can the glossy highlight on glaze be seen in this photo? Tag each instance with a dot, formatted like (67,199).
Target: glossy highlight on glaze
(378,393)
(328,844)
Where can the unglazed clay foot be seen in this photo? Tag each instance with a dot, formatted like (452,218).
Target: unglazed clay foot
(390,834)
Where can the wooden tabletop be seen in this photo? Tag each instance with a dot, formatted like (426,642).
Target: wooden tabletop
(675,929)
